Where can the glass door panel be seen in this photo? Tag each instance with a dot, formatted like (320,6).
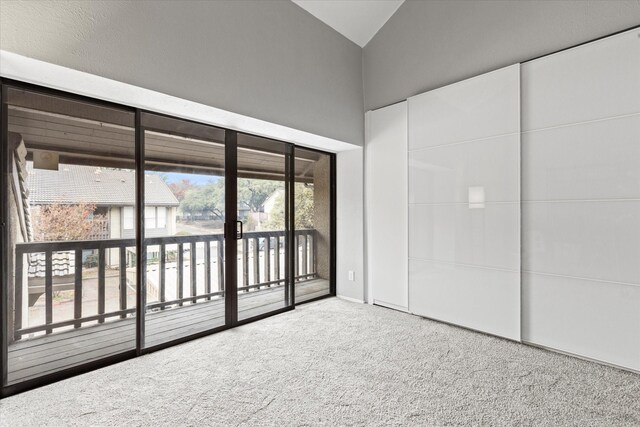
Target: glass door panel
(312,215)
(263,189)
(184,216)
(70,268)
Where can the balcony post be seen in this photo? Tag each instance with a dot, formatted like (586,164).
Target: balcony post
(267,259)
(123,280)
(101,283)
(220,264)
(276,258)
(207,267)
(256,260)
(194,272)
(48,288)
(77,290)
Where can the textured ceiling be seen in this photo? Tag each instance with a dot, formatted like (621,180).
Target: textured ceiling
(357,20)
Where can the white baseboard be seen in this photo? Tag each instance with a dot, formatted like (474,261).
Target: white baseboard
(391,306)
(359,301)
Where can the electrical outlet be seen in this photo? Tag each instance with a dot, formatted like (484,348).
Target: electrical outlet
(352,275)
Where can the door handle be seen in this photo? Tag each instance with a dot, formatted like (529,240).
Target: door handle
(240,233)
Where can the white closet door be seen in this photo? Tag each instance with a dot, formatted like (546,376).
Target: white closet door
(464,203)
(386,200)
(581,200)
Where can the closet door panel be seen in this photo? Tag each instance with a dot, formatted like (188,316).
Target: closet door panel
(444,174)
(386,200)
(454,233)
(581,208)
(592,161)
(591,318)
(591,239)
(589,82)
(464,181)
(479,298)
(484,106)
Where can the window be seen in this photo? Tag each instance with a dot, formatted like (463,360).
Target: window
(155,217)
(161,213)
(149,217)
(127,218)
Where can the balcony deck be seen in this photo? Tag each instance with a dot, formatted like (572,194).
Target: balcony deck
(31,358)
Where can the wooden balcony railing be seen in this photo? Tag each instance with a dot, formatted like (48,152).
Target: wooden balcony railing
(255,274)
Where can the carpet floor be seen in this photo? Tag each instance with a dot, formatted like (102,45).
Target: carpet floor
(335,362)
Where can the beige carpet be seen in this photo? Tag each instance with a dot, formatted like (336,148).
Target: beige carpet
(339,363)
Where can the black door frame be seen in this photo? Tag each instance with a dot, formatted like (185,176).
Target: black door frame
(230,233)
(231,296)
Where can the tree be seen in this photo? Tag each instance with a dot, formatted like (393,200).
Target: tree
(303,206)
(180,188)
(303,199)
(66,222)
(252,193)
(205,199)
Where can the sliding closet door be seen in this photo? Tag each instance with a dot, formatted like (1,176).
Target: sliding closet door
(464,203)
(386,198)
(581,200)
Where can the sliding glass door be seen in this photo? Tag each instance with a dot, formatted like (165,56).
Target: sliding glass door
(263,201)
(313,195)
(69,249)
(182,225)
(127,230)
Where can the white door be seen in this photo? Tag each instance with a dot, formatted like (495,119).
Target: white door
(386,200)
(464,203)
(581,200)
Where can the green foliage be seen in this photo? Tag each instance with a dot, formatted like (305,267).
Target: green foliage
(303,196)
(205,199)
(303,206)
(252,193)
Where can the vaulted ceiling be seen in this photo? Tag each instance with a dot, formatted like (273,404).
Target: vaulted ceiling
(357,20)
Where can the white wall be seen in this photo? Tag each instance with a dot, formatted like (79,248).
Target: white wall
(581,200)
(464,203)
(386,206)
(350,224)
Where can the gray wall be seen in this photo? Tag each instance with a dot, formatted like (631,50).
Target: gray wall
(350,224)
(428,44)
(265,59)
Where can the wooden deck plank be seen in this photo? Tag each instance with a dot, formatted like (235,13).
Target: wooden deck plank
(204,315)
(59,364)
(39,356)
(95,331)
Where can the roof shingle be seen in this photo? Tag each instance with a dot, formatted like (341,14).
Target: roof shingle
(95,185)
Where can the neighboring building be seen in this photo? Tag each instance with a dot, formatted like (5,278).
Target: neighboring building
(270,203)
(113,193)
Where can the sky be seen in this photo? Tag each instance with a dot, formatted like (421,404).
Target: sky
(171,177)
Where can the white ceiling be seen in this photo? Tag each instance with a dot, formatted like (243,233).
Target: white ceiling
(357,20)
